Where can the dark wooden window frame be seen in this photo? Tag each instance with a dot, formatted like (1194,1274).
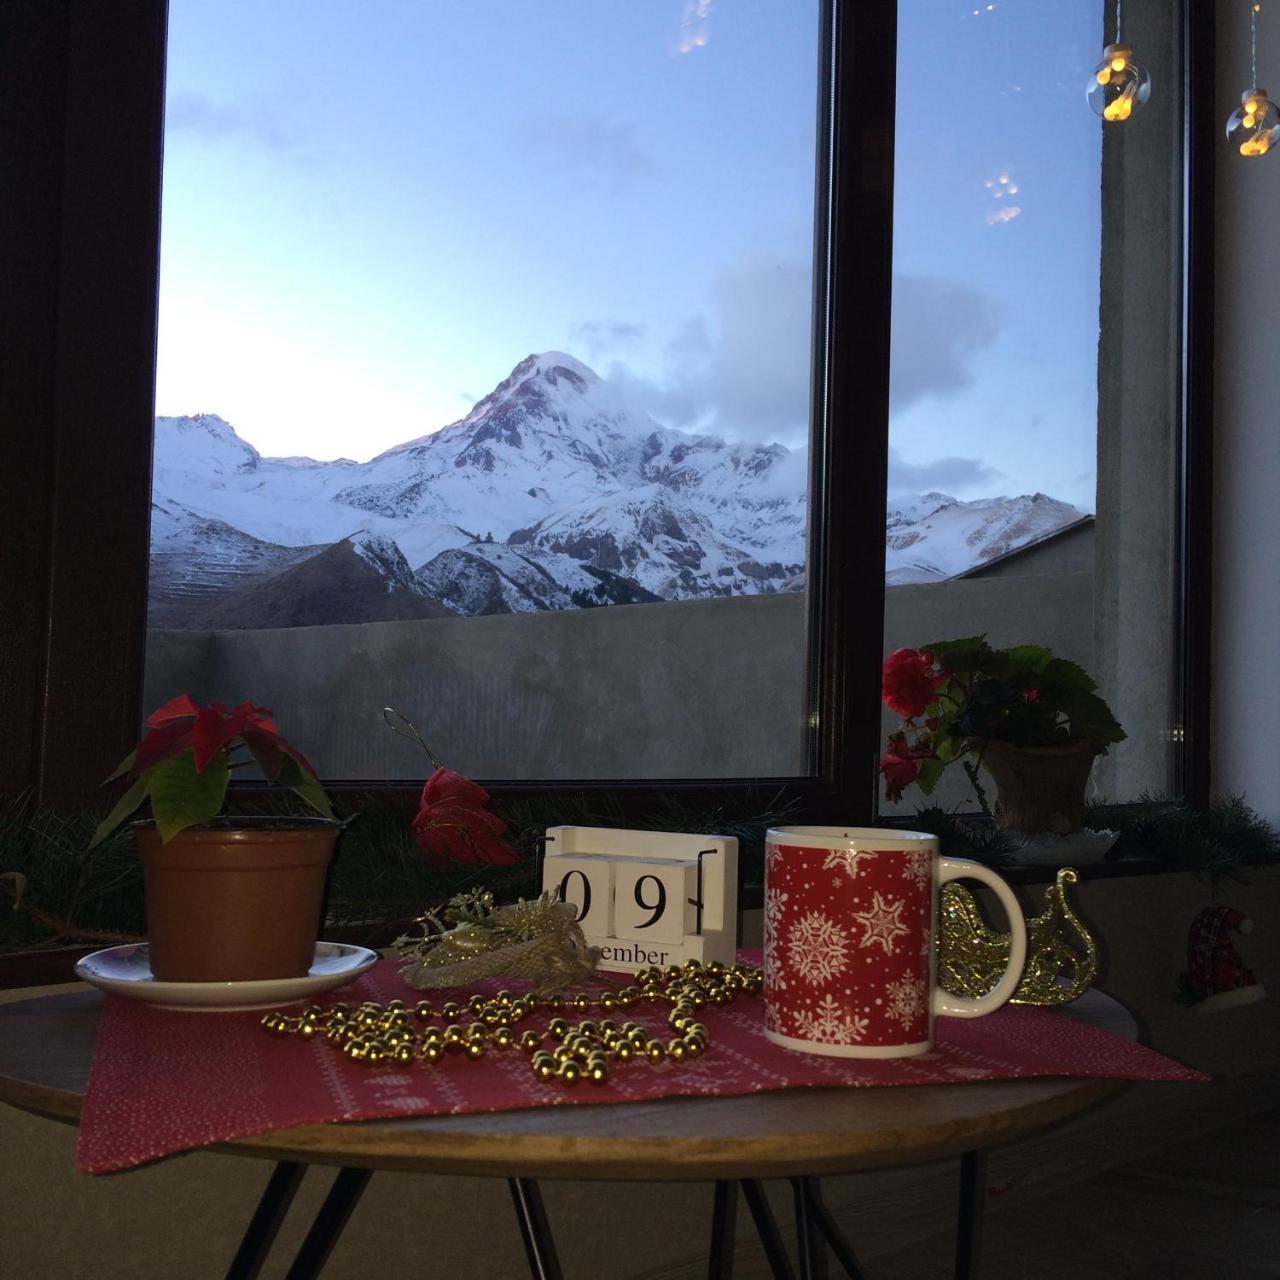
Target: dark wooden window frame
(82,92)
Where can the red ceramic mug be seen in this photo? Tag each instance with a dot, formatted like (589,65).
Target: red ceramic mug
(850,940)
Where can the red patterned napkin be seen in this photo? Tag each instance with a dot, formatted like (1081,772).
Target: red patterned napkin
(164,1081)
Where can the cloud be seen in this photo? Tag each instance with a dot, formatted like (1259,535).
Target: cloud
(599,337)
(743,368)
(940,328)
(578,142)
(695,26)
(194,113)
(949,475)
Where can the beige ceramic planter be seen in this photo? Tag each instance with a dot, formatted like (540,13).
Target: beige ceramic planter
(1041,789)
(235,901)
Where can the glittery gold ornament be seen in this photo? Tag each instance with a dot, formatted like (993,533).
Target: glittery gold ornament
(1062,958)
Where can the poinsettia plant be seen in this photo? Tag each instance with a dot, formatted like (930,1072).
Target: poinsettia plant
(957,696)
(185,759)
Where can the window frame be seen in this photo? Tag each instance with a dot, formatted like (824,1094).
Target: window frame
(82,239)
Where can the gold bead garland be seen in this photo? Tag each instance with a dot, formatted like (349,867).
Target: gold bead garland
(373,1033)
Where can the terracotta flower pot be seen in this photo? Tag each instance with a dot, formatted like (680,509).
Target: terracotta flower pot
(1041,789)
(236,900)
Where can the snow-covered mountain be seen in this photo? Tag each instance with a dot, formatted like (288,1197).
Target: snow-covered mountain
(551,493)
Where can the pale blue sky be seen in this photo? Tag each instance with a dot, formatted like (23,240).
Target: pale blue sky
(372,212)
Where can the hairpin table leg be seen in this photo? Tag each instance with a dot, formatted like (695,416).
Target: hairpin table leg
(724,1216)
(767,1230)
(261,1232)
(539,1244)
(813,1257)
(973,1188)
(343,1197)
(810,1190)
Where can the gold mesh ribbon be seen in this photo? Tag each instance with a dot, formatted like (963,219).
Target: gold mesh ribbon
(470,938)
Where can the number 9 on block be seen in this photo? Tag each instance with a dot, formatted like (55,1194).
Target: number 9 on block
(656,901)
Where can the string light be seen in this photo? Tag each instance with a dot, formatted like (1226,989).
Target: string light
(1254,126)
(1118,85)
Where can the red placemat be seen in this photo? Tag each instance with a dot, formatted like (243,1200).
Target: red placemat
(164,1081)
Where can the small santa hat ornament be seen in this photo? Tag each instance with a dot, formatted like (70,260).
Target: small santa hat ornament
(1216,977)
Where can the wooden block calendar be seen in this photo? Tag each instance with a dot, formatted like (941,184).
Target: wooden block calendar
(647,897)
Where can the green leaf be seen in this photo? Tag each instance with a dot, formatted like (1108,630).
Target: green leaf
(1090,717)
(122,768)
(973,654)
(1032,658)
(1062,674)
(305,784)
(930,772)
(123,808)
(181,797)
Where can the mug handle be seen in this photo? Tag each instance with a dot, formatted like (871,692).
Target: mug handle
(974,1007)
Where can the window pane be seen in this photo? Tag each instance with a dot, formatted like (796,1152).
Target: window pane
(1035,358)
(484,381)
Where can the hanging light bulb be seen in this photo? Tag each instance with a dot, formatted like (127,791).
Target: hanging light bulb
(1118,85)
(1254,127)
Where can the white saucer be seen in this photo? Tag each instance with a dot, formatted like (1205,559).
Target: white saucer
(125,971)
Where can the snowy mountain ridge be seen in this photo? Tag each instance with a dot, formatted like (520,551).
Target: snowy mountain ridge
(551,493)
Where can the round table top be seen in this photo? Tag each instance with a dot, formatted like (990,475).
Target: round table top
(46,1046)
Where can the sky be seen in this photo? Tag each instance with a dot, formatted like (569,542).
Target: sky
(372,213)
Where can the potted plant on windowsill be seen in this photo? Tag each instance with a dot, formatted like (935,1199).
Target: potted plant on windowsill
(1034,721)
(228,898)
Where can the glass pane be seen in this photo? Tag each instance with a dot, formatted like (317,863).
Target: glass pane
(483,381)
(1035,362)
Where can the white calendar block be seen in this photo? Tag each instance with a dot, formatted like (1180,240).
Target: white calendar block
(654,901)
(672,896)
(586,883)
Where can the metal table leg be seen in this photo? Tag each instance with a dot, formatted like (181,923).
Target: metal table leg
(343,1197)
(810,1190)
(724,1216)
(767,1230)
(263,1227)
(539,1244)
(973,1187)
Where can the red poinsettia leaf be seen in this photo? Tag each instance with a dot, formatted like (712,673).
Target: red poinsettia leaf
(163,743)
(260,717)
(174,709)
(266,751)
(214,728)
(303,763)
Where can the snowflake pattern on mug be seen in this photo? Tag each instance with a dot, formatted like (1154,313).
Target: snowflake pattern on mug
(905,1000)
(882,923)
(847,859)
(849,940)
(830,1024)
(817,948)
(917,867)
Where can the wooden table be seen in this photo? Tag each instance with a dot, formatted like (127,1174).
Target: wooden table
(46,1046)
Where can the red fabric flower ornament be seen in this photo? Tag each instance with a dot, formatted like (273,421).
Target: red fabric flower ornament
(454,826)
(908,681)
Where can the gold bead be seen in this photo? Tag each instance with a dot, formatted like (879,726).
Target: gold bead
(587,1028)
(676,1050)
(395,1006)
(475,1049)
(450,1010)
(530,1040)
(504,998)
(598,1072)
(655,1051)
(582,1003)
(558,1027)
(431,1052)
(563,1053)
(503,1036)
(694,1046)
(623,1051)
(569,1073)
(555,1003)
(403,1052)
(423,1009)
(546,1070)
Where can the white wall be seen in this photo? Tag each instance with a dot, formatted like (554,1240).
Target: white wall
(1246,659)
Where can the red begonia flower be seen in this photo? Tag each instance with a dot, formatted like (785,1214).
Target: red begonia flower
(454,826)
(901,766)
(908,681)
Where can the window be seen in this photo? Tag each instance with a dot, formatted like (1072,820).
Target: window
(80,323)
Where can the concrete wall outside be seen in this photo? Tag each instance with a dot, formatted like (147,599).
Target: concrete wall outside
(701,688)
